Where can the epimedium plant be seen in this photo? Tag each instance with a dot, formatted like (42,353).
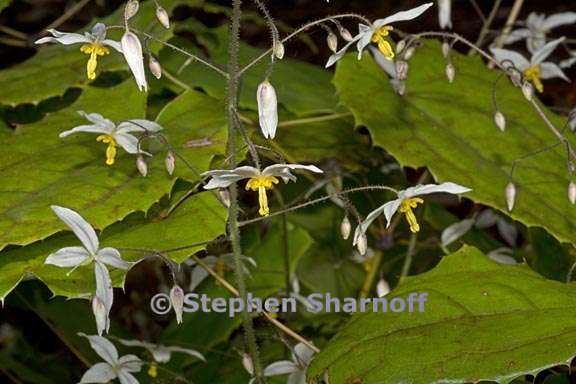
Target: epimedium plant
(231,153)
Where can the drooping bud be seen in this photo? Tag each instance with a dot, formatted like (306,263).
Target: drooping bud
(142,166)
(101,315)
(401,70)
(170,163)
(400,46)
(500,120)
(510,196)
(131,9)
(278,49)
(132,50)
(527,90)
(382,288)
(450,72)
(362,243)
(516,78)
(572,192)
(267,109)
(155,67)
(345,228)
(177,300)
(247,364)
(346,35)
(445,49)
(332,41)
(409,52)
(163,17)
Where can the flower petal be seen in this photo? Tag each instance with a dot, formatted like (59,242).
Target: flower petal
(365,39)
(138,125)
(282,367)
(445,13)
(98,373)
(550,70)
(222,178)
(132,50)
(434,188)
(98,31)
(338,55)
(403,16)
(85,128)
(188,351)
(128,142)
(130,363)
(68,257)
(298,377)
(79,226)
(302,354)
(542,54)
(114,44)
(104,290)
(103,347)
(504,55)
(517,35)
(126,378)
(63,38)
(363,227)
(559,19)
(267,109)
(197,277)
(390,209)
(111,256)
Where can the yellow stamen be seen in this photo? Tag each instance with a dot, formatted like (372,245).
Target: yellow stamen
(381,38)
(111,150)
(532,74)
(261,184)
(153,370)
(94,50)
(406,208)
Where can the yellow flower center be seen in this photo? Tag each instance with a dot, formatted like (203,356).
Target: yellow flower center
(153,370)
(532,74)
(380,37)
(94,50)
(111,150)
(261,184)
(406,208)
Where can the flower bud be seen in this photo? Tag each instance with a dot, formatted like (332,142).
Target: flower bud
(132,50)
(170,163)
(345,228)
(177,299)
(516,78)
(247,364)
(401,70)
(445,49)
(362,243)
(155,67)
(572,192)
(163,17)
(409,52)
(101,315)
(278,50)
(267,109)
(510,196)
(400,46)
(527,90)
(382,288)
(346,35)
(142,166)
(131,9)
(450,72)
(500,120)
(332,41)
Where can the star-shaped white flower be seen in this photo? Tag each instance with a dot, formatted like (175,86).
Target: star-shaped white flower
(296,369)
(535,69)
(90,252)
(407,200)
(115,367)
(258,180)
(217,263)
(115,135)
(161,353)
(537,26)
(378,33)
(94,44)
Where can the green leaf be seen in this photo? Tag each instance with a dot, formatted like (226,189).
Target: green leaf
(482,321)
(450,130)
(156,232)
(4,4)
(56,67)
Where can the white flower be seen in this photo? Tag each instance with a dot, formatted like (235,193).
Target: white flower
(115,135)
(301,358)
(535,69)
(407,200)
(115,367)
(161,353)
(445,13)
(267,109)
(89,253)
(217,263)
(537,26)
(132,49)
(389,66)
(378,33)
(95,43)
(258,180)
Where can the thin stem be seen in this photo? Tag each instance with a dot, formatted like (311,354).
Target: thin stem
(12,32)
(68,14)
(371,275)
(300,30)
(487,24)
(233,228)
(478,10)
(409,255)
(509,23)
